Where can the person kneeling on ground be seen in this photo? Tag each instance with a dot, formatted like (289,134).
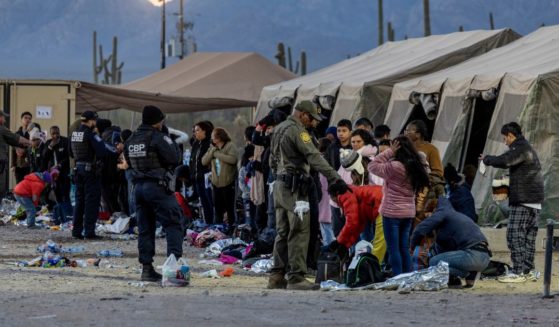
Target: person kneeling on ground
(459,242)
(28,193)
(359,204)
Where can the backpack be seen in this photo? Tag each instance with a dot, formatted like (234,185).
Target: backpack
(329,266)
(363,270)
(495,269)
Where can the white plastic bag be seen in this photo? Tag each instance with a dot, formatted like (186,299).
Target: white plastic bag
(175,273)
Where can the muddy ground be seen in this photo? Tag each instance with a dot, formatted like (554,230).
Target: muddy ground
(94,296)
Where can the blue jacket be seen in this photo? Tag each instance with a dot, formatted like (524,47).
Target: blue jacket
(455,231)
(462,200)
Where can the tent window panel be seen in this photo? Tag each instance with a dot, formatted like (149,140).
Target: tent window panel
(324,124)
(448,116)
(479,127)
(399,115)
(509,111)
(418,113)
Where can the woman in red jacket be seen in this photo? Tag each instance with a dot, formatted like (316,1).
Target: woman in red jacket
(359,204)
(28,192)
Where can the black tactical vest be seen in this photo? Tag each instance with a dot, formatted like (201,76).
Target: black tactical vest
(142,155)
(80,145)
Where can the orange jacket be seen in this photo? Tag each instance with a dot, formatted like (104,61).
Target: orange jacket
(359,206)
(30,187)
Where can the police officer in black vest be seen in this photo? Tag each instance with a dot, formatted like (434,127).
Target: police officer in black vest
(153,156)
(87,148)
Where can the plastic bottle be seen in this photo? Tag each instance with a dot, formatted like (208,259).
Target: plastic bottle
(74,249)
(110,253)
(217,167)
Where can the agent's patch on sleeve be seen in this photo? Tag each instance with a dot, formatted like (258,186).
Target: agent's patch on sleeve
(305,137)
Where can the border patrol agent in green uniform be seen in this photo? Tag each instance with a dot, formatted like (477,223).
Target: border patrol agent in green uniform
(292,155)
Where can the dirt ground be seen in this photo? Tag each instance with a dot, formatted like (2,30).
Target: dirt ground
(94,296)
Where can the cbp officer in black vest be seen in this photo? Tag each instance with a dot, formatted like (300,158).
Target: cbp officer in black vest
(153,156)
(87,148)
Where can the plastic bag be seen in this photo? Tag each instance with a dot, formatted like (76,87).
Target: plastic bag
(210,274)
(176,273)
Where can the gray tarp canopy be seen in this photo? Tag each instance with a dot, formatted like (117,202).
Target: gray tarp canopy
(526,73)
(202,81)
(363,84)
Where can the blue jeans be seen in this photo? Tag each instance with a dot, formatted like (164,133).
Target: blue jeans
(62,211)
(462,262)
(368,233)
(327,233)
(30,210)
(271,223)
(397,235)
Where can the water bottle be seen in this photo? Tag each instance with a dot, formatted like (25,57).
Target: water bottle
(186,157)
(74,249)
(217,167)
(110,253)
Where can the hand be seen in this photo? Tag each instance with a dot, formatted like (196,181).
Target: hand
(339,249)
(481,157)
(120,147)
(395,145)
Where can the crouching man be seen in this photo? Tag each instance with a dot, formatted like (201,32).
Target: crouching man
(459,242)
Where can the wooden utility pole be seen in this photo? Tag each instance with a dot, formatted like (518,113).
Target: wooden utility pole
(380,24)
(181,26)
(426,18)
(163,35)
(491,23)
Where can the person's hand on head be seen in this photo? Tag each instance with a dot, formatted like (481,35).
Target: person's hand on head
(395,145)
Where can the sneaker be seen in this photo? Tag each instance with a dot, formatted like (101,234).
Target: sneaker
(533,275)
(471,279)
(512,278)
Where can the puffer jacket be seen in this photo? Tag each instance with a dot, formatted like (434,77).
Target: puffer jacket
(455,231)
(227,157)
(399,197)
(526,181)
(31,187)
(359,206)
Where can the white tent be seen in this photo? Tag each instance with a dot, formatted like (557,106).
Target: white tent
(363,84)
(525,74)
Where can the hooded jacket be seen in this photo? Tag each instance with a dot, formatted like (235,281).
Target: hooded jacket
(526,181)
(31,187)
(359,206)
(455,231)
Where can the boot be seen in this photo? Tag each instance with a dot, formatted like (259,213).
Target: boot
(301,284)
(277,281)
(149,274)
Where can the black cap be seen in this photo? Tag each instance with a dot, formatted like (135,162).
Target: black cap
(152,115)
(88,115)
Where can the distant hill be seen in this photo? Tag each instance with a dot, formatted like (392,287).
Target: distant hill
(52,39)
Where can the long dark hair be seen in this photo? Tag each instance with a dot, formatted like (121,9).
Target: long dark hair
(410,158)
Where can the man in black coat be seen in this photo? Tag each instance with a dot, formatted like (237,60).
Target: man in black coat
(525,199)
(56,155)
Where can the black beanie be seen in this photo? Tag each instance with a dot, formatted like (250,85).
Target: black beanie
(152,115)
(102,124)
